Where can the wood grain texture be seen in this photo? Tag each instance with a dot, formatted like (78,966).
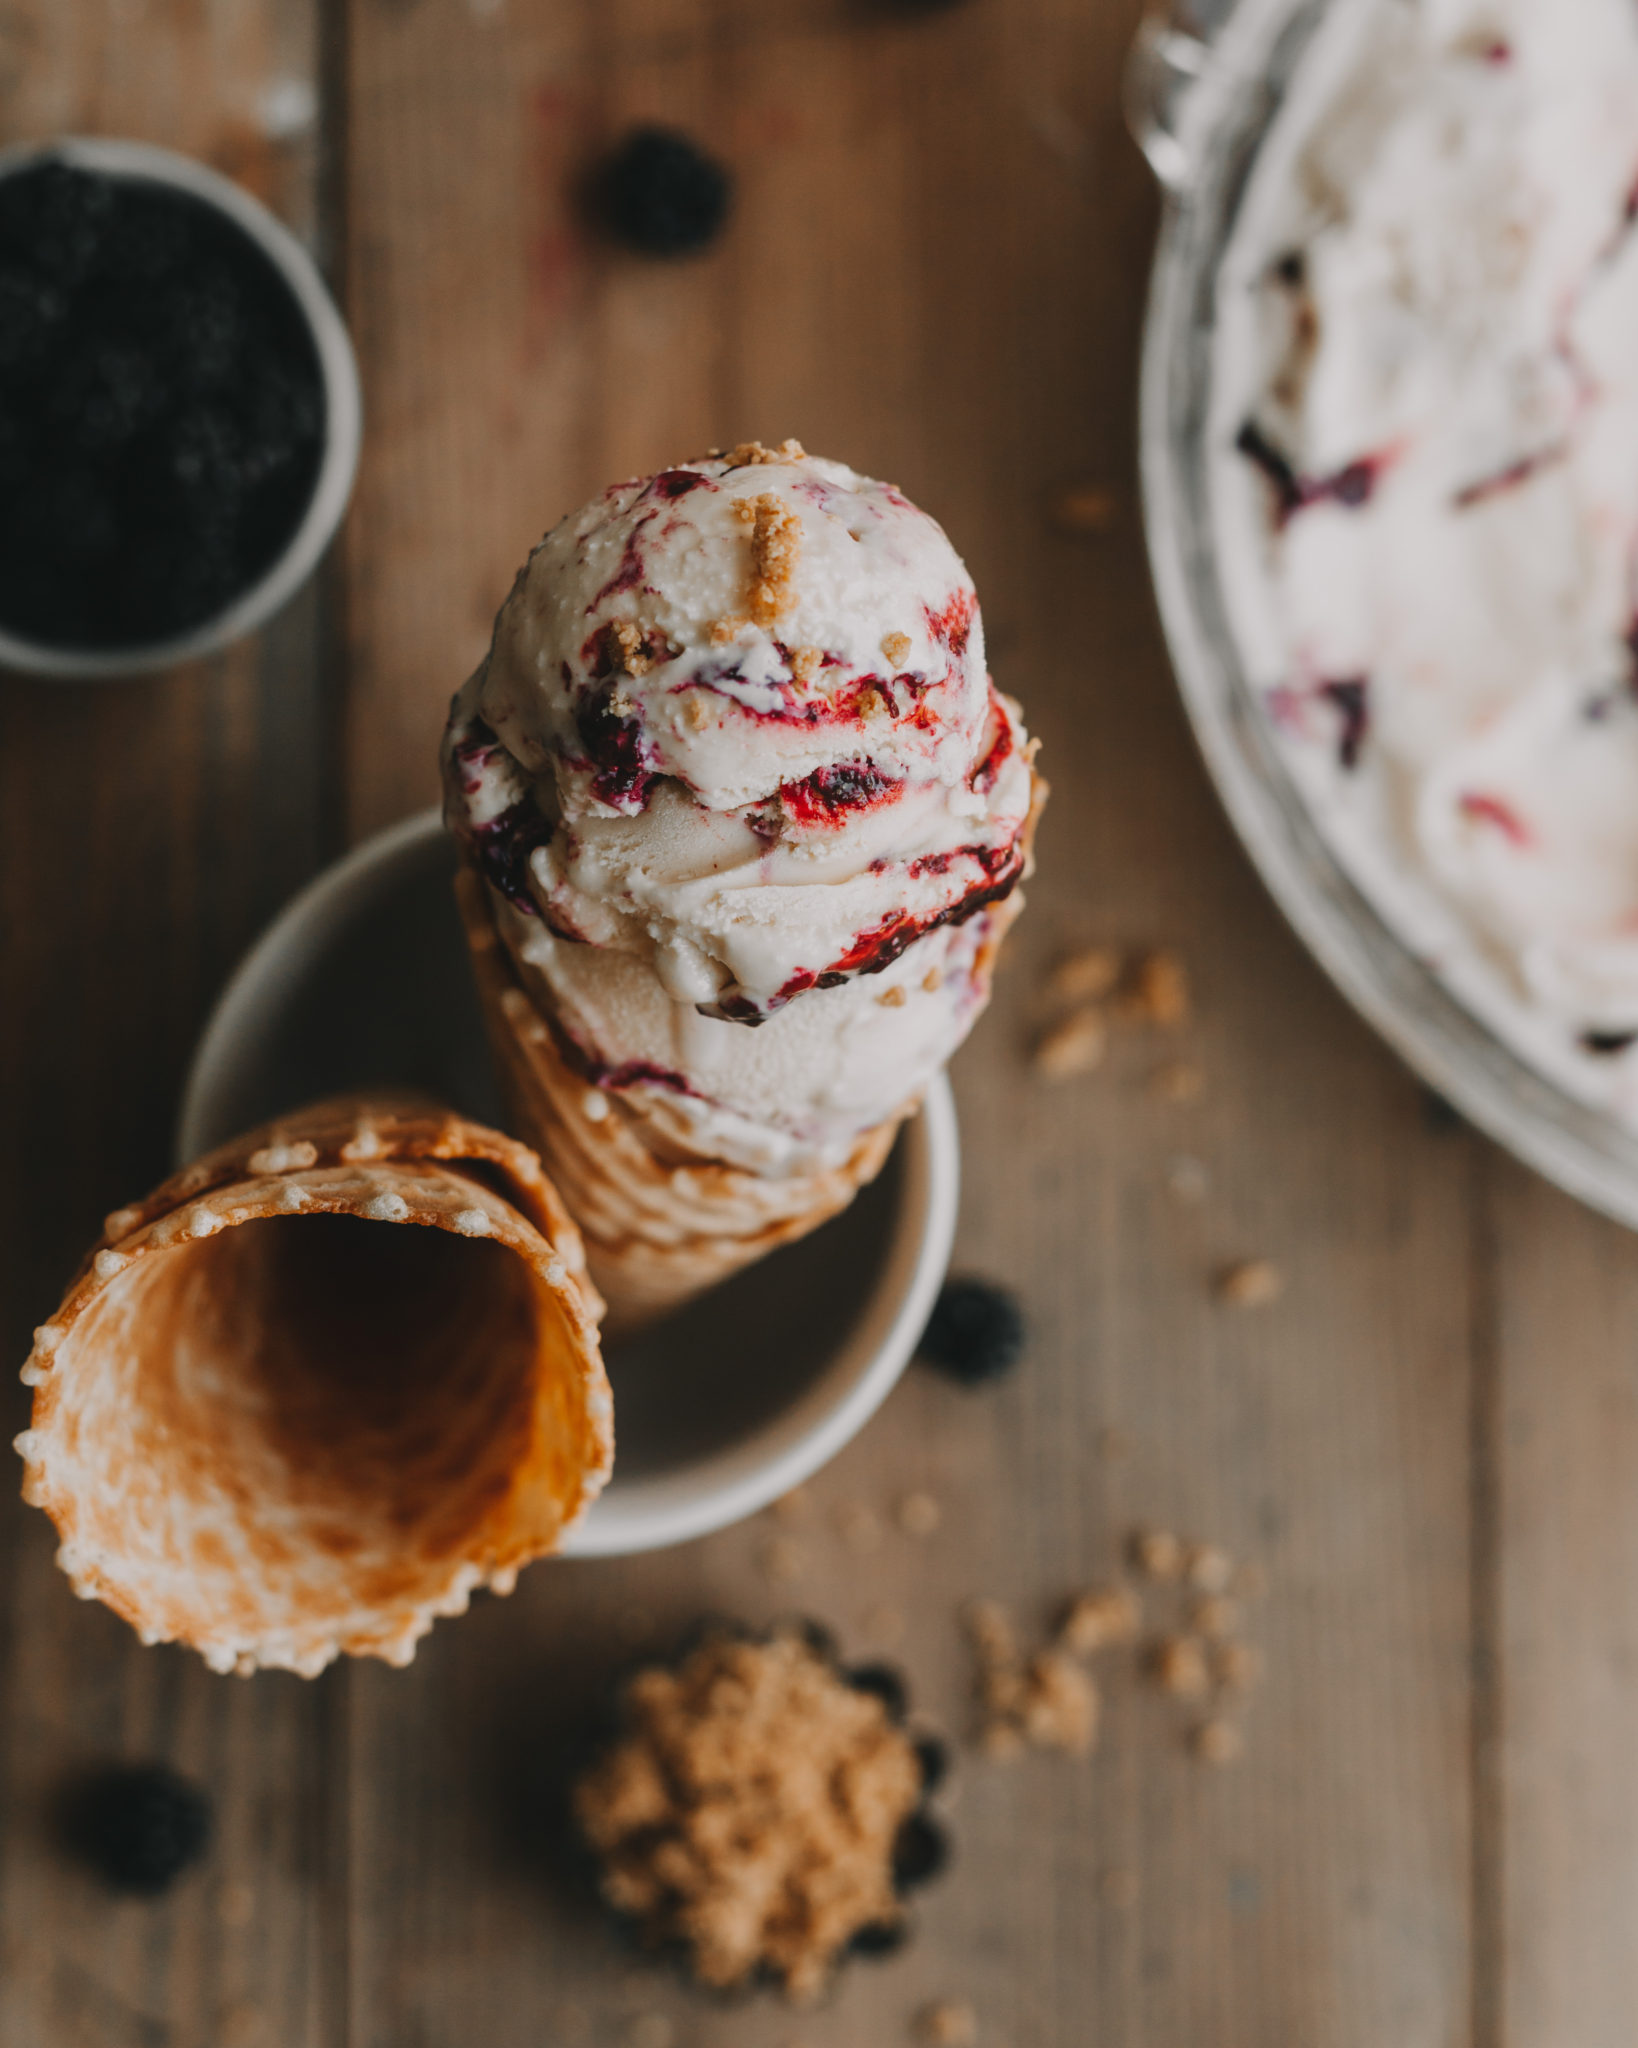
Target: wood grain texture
(146,830)
(1429,1444)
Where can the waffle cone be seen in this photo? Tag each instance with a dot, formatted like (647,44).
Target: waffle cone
(661,1222)
(274,1435)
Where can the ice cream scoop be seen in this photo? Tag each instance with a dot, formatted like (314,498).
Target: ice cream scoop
(734,760)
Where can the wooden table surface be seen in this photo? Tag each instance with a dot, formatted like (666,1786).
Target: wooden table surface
(1429,1444)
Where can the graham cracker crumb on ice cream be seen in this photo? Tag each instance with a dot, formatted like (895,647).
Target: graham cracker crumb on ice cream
(746,816)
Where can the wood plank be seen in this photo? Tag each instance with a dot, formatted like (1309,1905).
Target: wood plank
(1567,1628)
(148,829)
(937,271)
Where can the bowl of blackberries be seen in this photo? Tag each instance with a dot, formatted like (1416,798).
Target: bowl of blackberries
(179,410)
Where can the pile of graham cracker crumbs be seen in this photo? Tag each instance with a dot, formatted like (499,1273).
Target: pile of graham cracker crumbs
(1098,987)
(750,1810)
(747,453)
(1196,1653)
(776,543)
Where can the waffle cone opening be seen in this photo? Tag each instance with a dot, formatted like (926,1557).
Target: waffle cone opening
(309,1412)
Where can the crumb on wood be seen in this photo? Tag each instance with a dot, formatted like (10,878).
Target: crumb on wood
(1237,1667)
(1060,1705)
(1180,1667)
(1208,1567)
(1219,1742)
(1074,1045)
(1187,1180)
(1158,991)
(1180,1082)
(919,1514)
(1250,1283)
(949,2023)
(1157,1553)
(1098,1618)
(1084,976)
(1215,1616)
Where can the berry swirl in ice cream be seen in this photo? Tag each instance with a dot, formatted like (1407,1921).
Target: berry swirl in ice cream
(1426,493)
(735,745)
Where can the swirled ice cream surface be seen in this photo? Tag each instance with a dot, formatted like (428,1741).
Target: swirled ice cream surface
(735,759)
(1425,493)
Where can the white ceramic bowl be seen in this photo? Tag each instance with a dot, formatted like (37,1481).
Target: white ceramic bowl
(343,412)
(363,979)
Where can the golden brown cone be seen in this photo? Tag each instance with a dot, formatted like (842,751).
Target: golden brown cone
(265,1429)
(661,1223)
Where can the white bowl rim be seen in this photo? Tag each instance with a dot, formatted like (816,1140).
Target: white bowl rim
(344,413)
(642,1514)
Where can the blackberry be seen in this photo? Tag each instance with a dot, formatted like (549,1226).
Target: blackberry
(139,1825)
(661,195)
(975,1333)
(162,407)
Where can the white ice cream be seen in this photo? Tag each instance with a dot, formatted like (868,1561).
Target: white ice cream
(735,759)
(1429,320)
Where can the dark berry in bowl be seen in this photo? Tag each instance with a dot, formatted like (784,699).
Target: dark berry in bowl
(163,409)
(975,1333)
(660,194)
(138,1825)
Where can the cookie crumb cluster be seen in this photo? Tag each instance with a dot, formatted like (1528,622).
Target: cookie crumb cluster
(1050,1700)
(776,543)
(750,1810)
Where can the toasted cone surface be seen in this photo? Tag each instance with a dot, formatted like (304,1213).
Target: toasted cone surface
(318,1386)
(661,1224)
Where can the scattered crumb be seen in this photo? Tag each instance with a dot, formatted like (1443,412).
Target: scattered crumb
(872,704)
(750,1809)
(859,1527)
(1074,1046)
(776,540)
(1158,1553)
(883,1626)
(1180,1081)
(1180,1667)
(696,712)
(1187,1179)
(1158,992)
(919,1514)
(1236,1666)
(783,1560)
(1085,976)
(896,649)
(1001,1741)
(1207,1567)
(1216,1616)
(949,2024)
(893,998)
(1119,1886)
(1082,508)
(1094,1620)
(1250,1283)
(1060,1705)
(933,981)
(725,630)
(745,453)
(806,663)
(793,1508)
(1219,1742)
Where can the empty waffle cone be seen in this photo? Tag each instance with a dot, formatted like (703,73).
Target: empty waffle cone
(661,1223)
(319,1386)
